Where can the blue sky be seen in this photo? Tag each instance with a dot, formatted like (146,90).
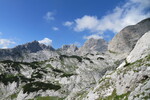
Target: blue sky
(59,22)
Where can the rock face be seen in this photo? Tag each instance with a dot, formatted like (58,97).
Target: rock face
(68,49)
(92,44)
(32,47)
(35,71)
(131,81)
(32,51)
(126,39)
(144,45)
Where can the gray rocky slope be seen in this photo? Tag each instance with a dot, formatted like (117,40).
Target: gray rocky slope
(126,39)
(92,45)
(32,51)
(68,49)
(42,73)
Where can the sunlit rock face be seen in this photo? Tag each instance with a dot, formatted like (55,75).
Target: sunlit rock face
(91,45)
(34,71)
(130,81)
(126,39)
(68,49)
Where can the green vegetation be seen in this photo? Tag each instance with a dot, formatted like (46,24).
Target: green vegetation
(57,70)
(77,57)
(13,96)
(82,94)
(117,62)
(114,96)
(136,64)
(49,98)
(100,58)
(49,66)
(107,84)
(10,64)
(8,78)
(104,79)
(88,59)
(146,97)
(112,52)
(38,73)
(73,56)
(90,54)
(36,86)
(17,65)
(126,63)
(67,74)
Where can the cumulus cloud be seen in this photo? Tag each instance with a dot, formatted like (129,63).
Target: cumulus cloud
(46,41)
(4,43)
(49,16)
(68,23)
(129,13)
(55,28)
(86,23)
(94,36)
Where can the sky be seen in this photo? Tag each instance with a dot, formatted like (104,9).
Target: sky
(60,22)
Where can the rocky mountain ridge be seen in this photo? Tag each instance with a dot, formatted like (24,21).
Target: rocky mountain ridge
(92,45)
(126,39)
(47,74)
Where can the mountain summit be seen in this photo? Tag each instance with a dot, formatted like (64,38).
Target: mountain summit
(92,44)
(126,39)
(29,52)
(33,47)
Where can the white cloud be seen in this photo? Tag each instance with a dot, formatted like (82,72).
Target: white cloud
(94,36)
(46,41)
(68,23)
(55,28)
(130,13)
(49,16)
(4,43)
(86,23)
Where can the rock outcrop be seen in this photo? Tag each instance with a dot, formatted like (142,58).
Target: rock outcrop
(126,39)
(68,49)
(141,49)
(92,45)
(130,81)
(29,52)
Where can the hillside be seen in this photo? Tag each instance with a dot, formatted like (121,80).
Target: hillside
(34,71)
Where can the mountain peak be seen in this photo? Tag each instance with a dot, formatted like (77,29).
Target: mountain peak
(92,44)
(68,49)
(33,47)
(147,20)
(126,39)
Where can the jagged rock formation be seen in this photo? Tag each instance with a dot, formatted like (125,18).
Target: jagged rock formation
(32,51)
(58,75)
(92,44)
(131,81)
(68,49)
(126,39)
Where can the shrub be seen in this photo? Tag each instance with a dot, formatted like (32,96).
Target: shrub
(36,86)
